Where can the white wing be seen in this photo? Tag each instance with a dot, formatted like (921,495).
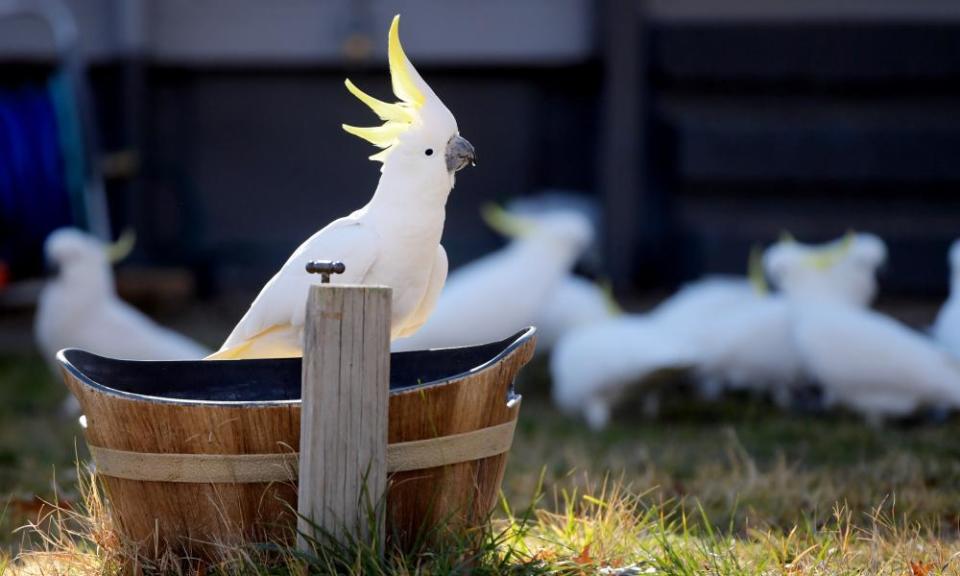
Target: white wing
(438,277)
(108,326)
(125,332)
(283,299)
(872,362)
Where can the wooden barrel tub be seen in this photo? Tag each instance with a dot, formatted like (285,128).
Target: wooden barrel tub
(199,453)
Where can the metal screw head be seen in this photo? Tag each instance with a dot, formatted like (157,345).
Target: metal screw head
(325,268)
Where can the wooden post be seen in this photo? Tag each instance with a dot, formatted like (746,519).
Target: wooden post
(343,427)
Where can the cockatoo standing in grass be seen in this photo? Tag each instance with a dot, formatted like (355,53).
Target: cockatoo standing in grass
(695,317)
(79,307)
(864,360)
(394,240)
(747,344)
(731,331)
(946,328)
(873,364)
(591,367)
(493,297)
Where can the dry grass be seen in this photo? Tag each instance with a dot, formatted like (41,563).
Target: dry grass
(730,488)
(605,528)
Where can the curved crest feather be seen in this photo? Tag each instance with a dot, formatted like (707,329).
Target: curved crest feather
(399,116)
(828,256)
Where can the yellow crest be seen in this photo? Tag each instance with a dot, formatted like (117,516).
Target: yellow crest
(397,116)
(505,223)
(755,271)
(827,257)
(613,307)
(122,248)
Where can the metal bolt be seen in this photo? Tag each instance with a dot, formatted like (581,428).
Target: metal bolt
(325,268)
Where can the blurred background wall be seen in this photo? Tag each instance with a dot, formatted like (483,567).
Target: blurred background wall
(698,126)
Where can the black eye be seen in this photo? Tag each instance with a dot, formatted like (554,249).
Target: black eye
(429,152)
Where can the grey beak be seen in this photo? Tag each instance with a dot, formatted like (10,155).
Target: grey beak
(460,152)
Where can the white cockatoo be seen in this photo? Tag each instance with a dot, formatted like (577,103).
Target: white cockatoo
(591,367)
(844,270)
(498,294)
(79,307)
(394,240)
(553,199)
(696,317)
(744,342)
(946,328)
(576,301)
(573,303)
(758,349)
(862,359)
(731,331)
(873,364)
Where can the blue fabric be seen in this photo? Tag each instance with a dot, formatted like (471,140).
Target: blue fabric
(34,198)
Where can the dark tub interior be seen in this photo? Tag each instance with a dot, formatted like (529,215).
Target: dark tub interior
(268,380)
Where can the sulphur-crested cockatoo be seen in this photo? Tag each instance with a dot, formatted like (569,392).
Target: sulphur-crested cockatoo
(742,331)
(750,344)
(946,328)
(576,301)
(757,350)
(591,367)
(493,297)
(844,270)
(693,318)
(394,240)
(79,307)
(747,344)
(862,359)
(871,363)
(552,200)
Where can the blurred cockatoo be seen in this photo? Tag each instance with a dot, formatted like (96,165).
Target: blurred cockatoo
(576,301)
(555,199)
(732,331)
(746,343)
(844,270)
(757,349)
(394,240)
(79,307)
(591,367)
(862,359)
(493,297)
(871,363)
(946,328)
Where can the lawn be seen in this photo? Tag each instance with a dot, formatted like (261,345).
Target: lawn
(729,487)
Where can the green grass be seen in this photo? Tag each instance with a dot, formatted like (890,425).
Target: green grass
(734,487)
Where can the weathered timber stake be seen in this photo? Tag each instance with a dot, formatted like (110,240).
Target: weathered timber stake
(343,426)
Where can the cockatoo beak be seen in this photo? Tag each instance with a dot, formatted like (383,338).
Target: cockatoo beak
(459,153)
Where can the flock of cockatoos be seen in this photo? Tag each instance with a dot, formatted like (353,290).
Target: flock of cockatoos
(801,317)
